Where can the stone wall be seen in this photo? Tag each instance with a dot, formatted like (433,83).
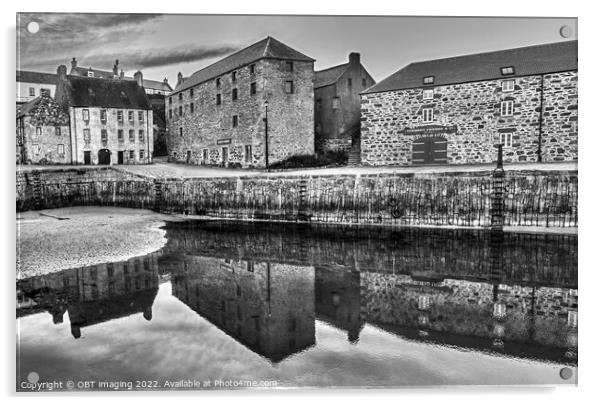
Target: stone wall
(471,114)
(209,127)
(47,146)
(533,198)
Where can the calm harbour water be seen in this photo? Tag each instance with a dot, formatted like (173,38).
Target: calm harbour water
(227,304)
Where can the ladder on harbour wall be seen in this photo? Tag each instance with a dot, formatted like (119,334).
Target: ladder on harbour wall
(497,194)
(158,196)
(37,191)
(303,214)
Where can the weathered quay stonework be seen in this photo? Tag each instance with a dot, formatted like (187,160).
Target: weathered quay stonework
(217,115)
(456,110)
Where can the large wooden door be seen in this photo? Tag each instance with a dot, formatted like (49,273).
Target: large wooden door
(429,151)
(87,158)
(120,157)
(104,157)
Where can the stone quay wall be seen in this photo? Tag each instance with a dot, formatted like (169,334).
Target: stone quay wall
(532,198)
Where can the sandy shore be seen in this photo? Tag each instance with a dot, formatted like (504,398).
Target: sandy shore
(54,240)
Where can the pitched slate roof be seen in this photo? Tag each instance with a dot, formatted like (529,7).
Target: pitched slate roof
(531,60)
(105,74)
(268,48)
(25,76)
(329,76)
(78,91)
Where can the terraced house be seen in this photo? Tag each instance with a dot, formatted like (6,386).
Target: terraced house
(217,116)
(456,110)
(110,121)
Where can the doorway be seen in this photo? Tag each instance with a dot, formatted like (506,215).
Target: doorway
(225,156)
(188,156)
(429,151)
(104,157)
(87,158)
(120,157)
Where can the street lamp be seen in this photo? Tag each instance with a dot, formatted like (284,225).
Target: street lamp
(265,120)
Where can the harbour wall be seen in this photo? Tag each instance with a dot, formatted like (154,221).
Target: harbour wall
(459,199)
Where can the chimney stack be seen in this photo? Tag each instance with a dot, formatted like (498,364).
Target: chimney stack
(61,72)
(354,59)
(179,78)
(73,63)
(165,81)
(116,67)
(138,78)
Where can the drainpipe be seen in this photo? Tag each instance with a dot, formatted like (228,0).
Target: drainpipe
(540,119)
(74,136)
(148,154)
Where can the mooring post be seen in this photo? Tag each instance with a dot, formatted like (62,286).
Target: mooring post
(496,246)
(497,193)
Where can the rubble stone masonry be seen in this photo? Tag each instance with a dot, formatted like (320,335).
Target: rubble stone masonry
(470,114)
(206,134)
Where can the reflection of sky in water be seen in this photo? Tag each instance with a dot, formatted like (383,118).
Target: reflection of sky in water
(179,344)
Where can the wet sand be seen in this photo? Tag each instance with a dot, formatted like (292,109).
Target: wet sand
(64,238)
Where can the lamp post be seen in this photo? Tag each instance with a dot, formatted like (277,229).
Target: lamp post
(265,120)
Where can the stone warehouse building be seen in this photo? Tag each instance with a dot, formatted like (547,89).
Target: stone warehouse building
(337,110)
(111,121)
(31,85)
(43,132)
(217,115)
(456,110)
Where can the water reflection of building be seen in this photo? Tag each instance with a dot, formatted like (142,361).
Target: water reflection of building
(94,294)
(267,307)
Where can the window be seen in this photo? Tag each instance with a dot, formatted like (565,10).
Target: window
(86,136)
(234,76)
(252,69)
(119,115)
(218,83)
(349,83)
(32,91)
(131,157)
(427,115)
(131,136)
(248,153)
(507,86)
(141,135)
(104,137)
(180,96)
(234,121)
(289,66)
(506,139)
(120,135)
(428,80)
(234,94)
(427,94)
(38,131)
(507,108)
(90,73)
(130,116)
(103,116)
(86,114)
(141,154)
(57,131)
(44,92)
(191,107)
(191,92)
(181,133)
(180,111)
(507,70)
(170,115)
(363,82)
(60,149)
(253,88)
(205,155)
(336,103)
(36,149)
(170,101)
(218,99)
(140,116)
(288,86)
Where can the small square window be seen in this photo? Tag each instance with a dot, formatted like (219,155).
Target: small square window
(507,86)
(234,121)
(38,131)
(57,131)
(104,137)
(336,103)
(506,140)
(427,115)
(60,149)
(141,135)
(125,269)
(507,70)
(427,94)
(140,116)
(32,91)
(130,116)
(234,94)
(131,136)
(120,115)
(218,83)
(141,154)
(507,108)
(253,88)
(180,96)
(234,76)
(289,66)
(288,87)
(90,73)
(86,114)
(428,80)
(103,116)
(252,69)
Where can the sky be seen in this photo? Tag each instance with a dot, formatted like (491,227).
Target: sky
(161,45)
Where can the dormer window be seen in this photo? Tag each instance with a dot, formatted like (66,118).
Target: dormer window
(507,70)
(90,73)
(428,80)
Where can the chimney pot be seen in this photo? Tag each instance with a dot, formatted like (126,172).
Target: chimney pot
(73,63)
(138,77)
(354,58)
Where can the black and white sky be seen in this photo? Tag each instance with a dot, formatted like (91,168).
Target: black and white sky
(161,45)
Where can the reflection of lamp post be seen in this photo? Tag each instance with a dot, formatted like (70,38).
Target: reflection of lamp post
(265,120)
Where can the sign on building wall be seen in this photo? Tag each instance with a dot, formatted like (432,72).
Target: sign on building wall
(431,130)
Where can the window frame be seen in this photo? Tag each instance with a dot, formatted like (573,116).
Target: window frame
(235,121)
(233,76)
(120,116)
(103,115)
(248,153)
(86,114)
(428,80)
(507,111)
(120,135)
(218,99)
(131,136)
(507,70)
(428,91)
(428,113)
(289,66)
(292,87)
(234,94)
(131,116)
(140,116)
(252,68)
(87,136)
(58,149)
(509,89)
(253,88)
(32,92)
(141,135)
(506,139)
(57,131)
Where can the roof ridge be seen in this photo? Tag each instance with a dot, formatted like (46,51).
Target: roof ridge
(332,67)
(267,44)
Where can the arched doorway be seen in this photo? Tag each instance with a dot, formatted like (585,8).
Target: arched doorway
(429,150)
(104,157)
